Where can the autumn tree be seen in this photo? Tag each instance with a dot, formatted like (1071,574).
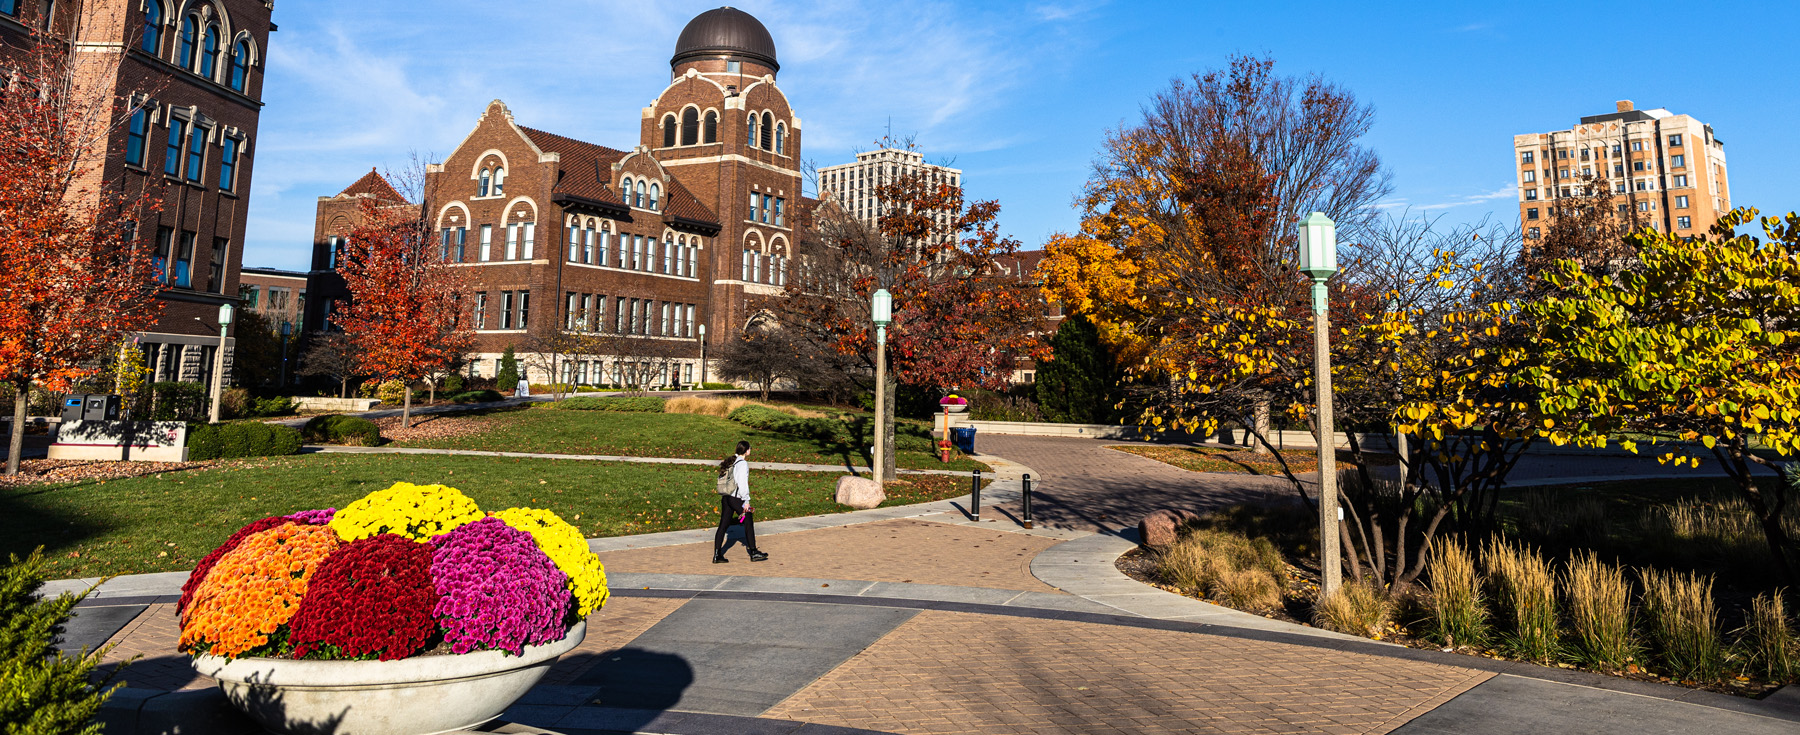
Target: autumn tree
(405,317)
(765,353)
(330,355)
(959,319)
(1585,226)
(74,273)
(1697,341)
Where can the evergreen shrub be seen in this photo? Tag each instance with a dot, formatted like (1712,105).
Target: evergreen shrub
(341,429)
(477,396)
(42,690)
(248,439)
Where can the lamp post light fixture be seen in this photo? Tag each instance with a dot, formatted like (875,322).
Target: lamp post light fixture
(882,314)
(703,357)
(287,328)
(218,385)
(1318,260)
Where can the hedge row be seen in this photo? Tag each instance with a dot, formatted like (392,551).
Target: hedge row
(340,429)
(248,439)
(631,404)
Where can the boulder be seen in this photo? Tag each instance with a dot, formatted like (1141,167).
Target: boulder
(860,493)
(1157,531)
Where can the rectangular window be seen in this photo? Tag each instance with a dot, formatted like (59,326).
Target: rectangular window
(512,242)
(748,255)
(1585,171)
(1562,153)
(215,271)
(1684,222)
(481,310)
(331,252)
(619,315)
(624,242)
(637,253)
(530,239)
(1678,161)
(250,295)
(506,309)
(687,330)
(1619,188)
(693,261)
(587,315)
(587,245)
(1681,202)
(462,244)
(1525,157)
(1637,145)
(165,242)
(278,299)
(1675,139)
(444,238)
(1531,213)
(487,243)
(1643,206)
(667,326)
(668,257)
(184,260)
(569,311)
(778,214)
(1637,166)
(1531,195)
(636,318)
(574,244)
(755,204)
(1616,152)
(172,155)
(1619,170)
(228,150)
(135,137)
(1681,180)
(524,310)
(1534,233)
(765,209)
(196,157)
(1563,174)
(756,267)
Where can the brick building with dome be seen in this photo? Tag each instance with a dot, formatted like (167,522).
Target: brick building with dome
(690,225)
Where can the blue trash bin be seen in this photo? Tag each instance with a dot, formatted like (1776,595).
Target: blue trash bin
(963,439)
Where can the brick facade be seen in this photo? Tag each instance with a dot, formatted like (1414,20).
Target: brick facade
(553,239)
(188,131)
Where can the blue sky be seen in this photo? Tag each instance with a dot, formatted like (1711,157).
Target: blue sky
(1021,95)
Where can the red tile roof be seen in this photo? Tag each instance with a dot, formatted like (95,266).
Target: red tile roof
(373,184)
(586,172)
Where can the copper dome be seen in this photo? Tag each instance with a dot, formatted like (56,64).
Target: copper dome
(726,32)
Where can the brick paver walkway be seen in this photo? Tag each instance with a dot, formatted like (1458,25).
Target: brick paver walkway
(906,550)
(1079,484)
(970,673)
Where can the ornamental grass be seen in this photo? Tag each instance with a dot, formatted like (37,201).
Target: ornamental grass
(1458,612)
(1524,593)
(1599,609)
(1768,642)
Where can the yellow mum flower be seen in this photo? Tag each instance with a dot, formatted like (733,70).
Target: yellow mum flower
(418,512)
(567,549)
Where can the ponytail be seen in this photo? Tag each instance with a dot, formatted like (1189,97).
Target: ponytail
(743,446)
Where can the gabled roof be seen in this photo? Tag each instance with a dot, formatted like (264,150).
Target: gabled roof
(374,185)
(586,172)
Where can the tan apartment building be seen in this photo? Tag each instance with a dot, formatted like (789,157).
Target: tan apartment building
(1669,168)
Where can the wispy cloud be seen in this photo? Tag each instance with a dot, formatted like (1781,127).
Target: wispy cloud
(1510,192)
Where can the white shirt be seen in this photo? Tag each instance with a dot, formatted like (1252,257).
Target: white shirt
(740,475)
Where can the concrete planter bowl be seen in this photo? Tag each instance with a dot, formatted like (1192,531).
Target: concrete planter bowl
(414,696)
(954,407)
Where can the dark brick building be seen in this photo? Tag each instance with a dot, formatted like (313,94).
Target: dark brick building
(193,72)
(689,226)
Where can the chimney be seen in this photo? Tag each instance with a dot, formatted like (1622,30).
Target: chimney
(1624,105)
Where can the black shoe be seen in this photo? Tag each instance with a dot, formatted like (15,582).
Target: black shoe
(720,559)
(758,556)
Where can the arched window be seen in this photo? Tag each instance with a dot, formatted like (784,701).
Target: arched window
(768,131)
(499,181)
(712,127)
(655,195)
(190,31)
(625,191)
(752,140)
(240,65)
(481,188)
(151,43)
(690,126)
(210,57)
(781,138)
(638,200)
(668,126)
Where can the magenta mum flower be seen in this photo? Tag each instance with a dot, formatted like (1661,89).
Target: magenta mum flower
(498,590)
(313,517)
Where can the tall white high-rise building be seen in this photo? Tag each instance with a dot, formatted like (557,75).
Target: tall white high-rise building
(852,185)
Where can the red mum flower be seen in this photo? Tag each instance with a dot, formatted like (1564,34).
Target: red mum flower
(372,596)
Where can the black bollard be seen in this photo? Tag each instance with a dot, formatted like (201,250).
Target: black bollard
(975,495)
(1028,500)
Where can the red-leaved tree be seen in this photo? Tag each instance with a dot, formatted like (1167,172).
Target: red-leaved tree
(405,316)
(73,273)
(960,317)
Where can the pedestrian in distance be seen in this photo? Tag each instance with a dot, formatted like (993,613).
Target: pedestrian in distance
(734,504)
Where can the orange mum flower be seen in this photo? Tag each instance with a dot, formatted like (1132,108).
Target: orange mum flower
(254,590)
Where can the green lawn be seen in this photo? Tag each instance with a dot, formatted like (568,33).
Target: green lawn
(660,435)
(167,522)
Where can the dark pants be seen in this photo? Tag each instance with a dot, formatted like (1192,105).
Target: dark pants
(729,509)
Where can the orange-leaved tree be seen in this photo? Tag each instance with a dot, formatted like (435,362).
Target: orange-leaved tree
(73,273)
(405,317)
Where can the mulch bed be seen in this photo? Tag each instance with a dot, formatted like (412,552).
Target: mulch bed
(52,471)
(432,426)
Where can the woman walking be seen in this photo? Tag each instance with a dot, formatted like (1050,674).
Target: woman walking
(734,504)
